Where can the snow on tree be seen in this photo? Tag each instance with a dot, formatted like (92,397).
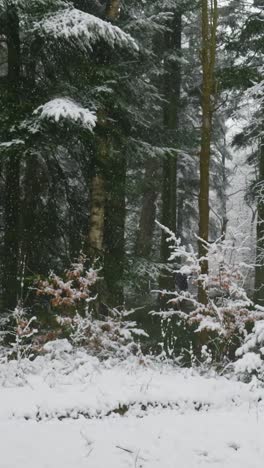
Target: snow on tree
(72,24)
(229,315)
(66,109)
(251,353)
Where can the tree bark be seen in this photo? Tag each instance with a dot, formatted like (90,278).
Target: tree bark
(115,212)
(106,230)
(112,10)
(209,26)
(95,239)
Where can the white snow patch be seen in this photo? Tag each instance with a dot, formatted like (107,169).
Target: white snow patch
(172,417)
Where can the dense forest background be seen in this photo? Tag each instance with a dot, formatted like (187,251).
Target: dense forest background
(114,114)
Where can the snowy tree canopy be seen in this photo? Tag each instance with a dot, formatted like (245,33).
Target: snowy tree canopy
(75,24)
(62,108)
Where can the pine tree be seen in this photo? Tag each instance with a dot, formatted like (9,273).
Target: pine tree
(53,112)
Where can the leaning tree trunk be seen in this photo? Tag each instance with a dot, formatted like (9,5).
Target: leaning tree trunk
(172,88)
(259,270)
(209,26)
(12,193)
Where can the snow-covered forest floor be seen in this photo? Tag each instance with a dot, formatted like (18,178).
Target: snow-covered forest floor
(71,411)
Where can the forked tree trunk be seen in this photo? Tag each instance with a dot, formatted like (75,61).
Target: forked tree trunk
(12,192)
(209,15)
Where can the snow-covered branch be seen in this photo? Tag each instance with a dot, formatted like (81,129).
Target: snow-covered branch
(66,109)
(72,24)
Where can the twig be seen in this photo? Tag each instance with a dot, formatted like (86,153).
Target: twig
(131,452)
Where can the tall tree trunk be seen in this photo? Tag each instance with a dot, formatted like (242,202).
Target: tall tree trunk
(172,88)
(259,271)
(97,213)
(104,209)
(95,239)
(114,236)
(12,193)
(224,191)
(31,227)
(148,210)
(209,25)
(11,228)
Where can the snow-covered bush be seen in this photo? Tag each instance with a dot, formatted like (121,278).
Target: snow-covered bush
(106,336)
(20,328)
(251,353)
(71,299)
(230,315)
(73,290)
(17,349)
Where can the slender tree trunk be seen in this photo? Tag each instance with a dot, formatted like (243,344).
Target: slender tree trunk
(96,231)
(95,239)
(209,26)
(259,271)
(148,210)
(12,193)
(106,231)
(114,236)
(172,88)
(13,47)
(31,227)
(180,215)
(11,238)
(224,193)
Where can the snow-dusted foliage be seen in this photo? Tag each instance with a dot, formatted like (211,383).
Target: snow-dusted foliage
(229,315)
(65,109)
(71,290)
(20,330)
(71,298)
(72,24)
(107,336)
(251,353)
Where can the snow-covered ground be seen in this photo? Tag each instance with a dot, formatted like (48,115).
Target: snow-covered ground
(73,412)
